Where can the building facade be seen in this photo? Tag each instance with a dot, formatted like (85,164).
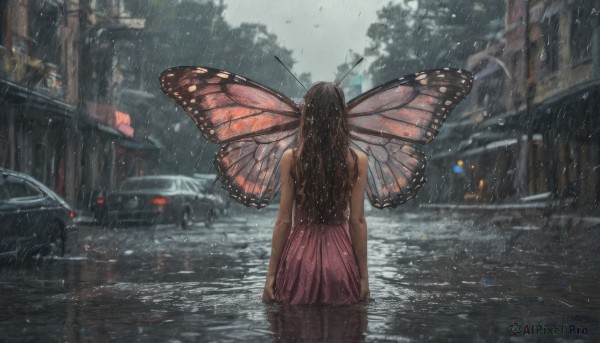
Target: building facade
(530,129)
(38,41)
(60,81)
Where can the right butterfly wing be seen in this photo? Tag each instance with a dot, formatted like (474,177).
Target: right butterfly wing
(228,107)
(389,121)
(396,169)
(249,168)
(411,108)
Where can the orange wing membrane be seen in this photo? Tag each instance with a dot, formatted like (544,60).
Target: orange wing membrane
(388,121)
(228,107)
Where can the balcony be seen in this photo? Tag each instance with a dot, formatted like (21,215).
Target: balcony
(19,67)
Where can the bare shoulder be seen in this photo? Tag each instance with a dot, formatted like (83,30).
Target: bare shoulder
(362,158)
(286,159)
(361,155)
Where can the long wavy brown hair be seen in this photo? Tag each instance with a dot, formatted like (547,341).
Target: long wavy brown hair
(320,161)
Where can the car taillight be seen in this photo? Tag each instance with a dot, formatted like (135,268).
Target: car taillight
(100,201)
(159,201)
(71,214)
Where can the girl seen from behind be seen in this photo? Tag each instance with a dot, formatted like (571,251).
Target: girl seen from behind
(319,246)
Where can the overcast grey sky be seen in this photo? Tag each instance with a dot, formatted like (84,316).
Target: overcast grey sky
(321,33)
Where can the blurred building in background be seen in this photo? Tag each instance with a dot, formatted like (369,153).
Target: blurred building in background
(115,144)
(531,123)
(62,72)
(39,91)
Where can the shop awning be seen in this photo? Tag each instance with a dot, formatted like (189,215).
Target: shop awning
(22,95)
(137,144)
(108,129)
(505,143)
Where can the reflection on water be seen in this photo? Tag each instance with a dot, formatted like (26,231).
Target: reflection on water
(432,278)
(303,323)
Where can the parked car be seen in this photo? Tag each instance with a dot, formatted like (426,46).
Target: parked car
(33,219)
(173,199)
(210,186)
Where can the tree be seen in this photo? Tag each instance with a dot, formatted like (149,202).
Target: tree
(196,33)
(422,34)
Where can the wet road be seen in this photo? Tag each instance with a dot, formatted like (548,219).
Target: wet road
(447,277)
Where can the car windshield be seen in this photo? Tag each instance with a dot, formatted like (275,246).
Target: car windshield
(139,184)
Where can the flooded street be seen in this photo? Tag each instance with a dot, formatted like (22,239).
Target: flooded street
(433,277)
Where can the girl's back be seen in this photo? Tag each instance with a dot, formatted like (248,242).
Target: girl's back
(319,239)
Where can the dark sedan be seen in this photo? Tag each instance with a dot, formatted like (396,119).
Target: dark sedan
(157,200)
(33,219)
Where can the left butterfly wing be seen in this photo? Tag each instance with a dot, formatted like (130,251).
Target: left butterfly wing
(253,124)
(249,168)
(388,121)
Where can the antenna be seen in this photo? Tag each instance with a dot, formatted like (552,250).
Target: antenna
(343,77)
(286,68)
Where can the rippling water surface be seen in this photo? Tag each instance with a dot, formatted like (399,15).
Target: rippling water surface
(433,277)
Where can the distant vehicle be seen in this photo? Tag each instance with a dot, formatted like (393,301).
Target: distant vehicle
(211,186)
(173,199)
(33,219)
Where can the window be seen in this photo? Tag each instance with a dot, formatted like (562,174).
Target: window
(187,185)
(12,187)
(193,186)
(490,92)
(549,55)
(44,22)
(150,183)
(581,33)
(4,15)
(4,142)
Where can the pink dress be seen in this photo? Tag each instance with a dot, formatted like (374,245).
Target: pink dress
(317,265)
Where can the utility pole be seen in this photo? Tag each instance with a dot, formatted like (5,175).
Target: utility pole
(524,168)
(596,42)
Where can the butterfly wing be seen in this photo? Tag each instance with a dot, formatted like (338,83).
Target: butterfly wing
(390,121)
(249,168)
(253,124)
(396,169)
